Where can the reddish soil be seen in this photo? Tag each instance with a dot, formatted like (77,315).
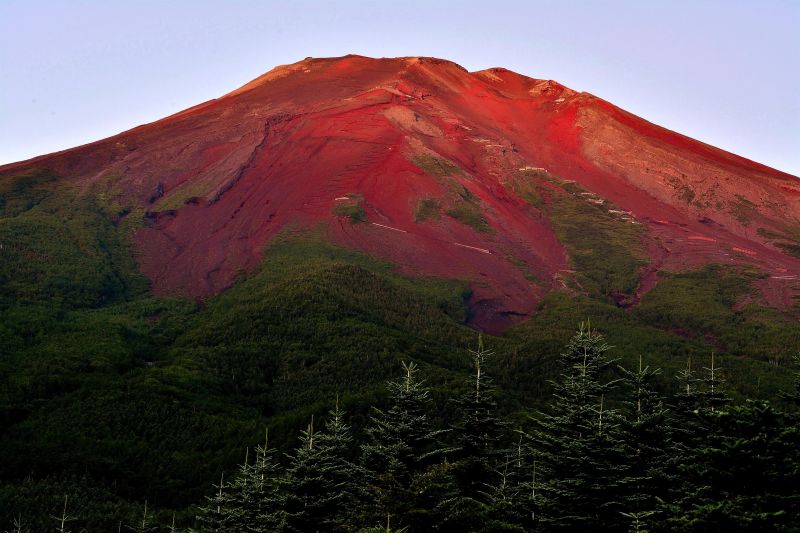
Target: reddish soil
(219,180)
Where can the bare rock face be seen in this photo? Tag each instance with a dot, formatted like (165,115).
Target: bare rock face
(419,162)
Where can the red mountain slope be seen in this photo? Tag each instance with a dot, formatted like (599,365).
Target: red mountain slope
(430,156)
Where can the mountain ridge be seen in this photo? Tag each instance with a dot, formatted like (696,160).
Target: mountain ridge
(455,174)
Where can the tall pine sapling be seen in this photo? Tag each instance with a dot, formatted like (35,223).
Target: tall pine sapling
(400,443)
(478,450)
(221,512)
(647,436)
(321,485)
(579,442)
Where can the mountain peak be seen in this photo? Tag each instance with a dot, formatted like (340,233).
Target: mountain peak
(478,176)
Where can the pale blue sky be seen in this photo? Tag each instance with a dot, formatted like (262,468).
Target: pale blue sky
(725,72)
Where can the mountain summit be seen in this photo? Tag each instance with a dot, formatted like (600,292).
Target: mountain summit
(517,185)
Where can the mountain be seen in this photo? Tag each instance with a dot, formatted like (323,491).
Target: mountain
(168,293)
(476,176)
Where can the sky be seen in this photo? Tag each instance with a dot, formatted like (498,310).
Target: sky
(724,72)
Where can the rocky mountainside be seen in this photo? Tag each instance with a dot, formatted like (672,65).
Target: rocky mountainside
(517,185)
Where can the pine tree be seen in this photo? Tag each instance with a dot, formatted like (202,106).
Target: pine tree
(255,493)
(579,442)
(63,518)
(400,443)
(478,449)
(221,513)
(511,497)
(321,485)
(699,403)
(744,476)
(143,524)
(647,437)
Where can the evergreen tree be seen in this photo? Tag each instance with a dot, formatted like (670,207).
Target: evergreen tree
(579,443)
(400,443)
(321,486)
(478,449)
(511,497)
(64,518)
(700,402)
(221,513)
(745,475)
(256,495)
(647,437)
(144,523)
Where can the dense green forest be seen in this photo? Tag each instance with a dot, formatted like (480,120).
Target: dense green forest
(112,400)
(607,453)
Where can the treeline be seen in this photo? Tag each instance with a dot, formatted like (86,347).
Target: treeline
(608,454)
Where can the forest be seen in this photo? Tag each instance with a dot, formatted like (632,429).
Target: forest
(608,452)
(123,411)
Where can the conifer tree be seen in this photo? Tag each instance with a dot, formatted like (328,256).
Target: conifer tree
(700,402)
(745,475)
(647,437)
(478,448)
(144,522)
(510,498)
(64,518)
(220,513)
(400,443)
(255,493)
(321,485)
(579,442)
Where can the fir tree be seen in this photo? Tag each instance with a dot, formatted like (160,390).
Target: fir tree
(320,487)
(400,443)
(579,442)
(255,493)
(647,437)
(478,450)
(511,497)
(144,523)
(744,476)
(64,518)
(221,513)
(700,401)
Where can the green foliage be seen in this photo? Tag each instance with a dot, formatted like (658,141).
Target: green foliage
(116,398)
(470,214)
(578,443)
(400,443)
(683,191)
(527,183)
(352,209)
(321,484)
(743,475)
(428,209)
(788,239)
(60,247)
(648,447)
(742,209)
(702,303)
(436,166)
(477,434)
(465,207)
(790,248)
(605,250)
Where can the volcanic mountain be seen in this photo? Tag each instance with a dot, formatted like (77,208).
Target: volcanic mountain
(518,186)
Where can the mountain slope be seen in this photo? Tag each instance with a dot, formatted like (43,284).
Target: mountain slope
(475,176)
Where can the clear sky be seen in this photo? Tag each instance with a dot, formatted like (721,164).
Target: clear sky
(725,72)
